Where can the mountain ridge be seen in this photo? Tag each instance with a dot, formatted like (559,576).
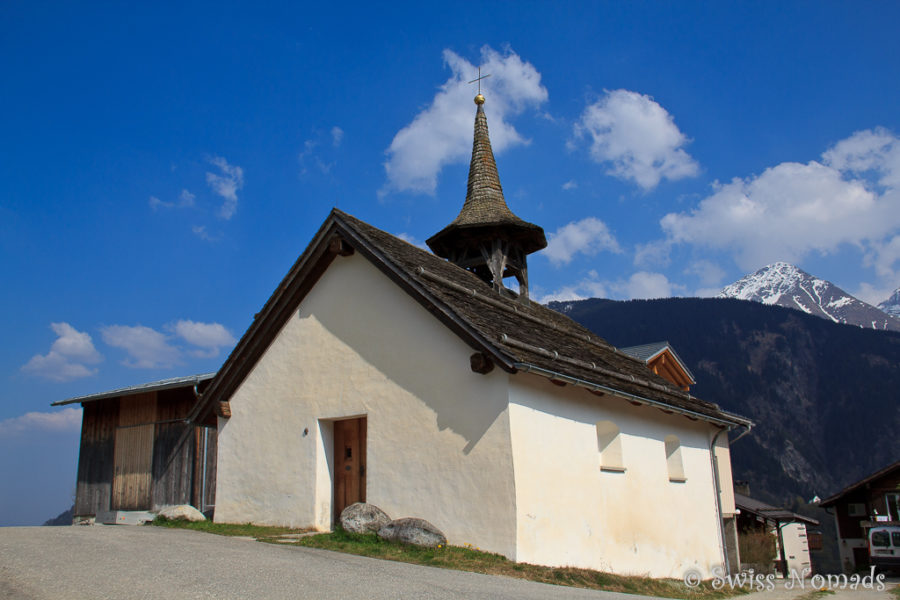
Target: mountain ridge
(784,284)
(892,305)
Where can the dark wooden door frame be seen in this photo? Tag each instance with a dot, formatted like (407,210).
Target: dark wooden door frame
(349,454)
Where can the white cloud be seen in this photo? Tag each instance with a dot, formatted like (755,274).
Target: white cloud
(226,184)
(793,209)
(645,285)
(186,199)
(570,185)
(68,358)
(656,253)
(146,347)
(642,284)
(710,276)
(307,154)
(337,135)
(589,287)
(708,272)
(588,236)
(638,137)
(883,255)
(441,134)
(875,150)
(210,337)
(874,294)
(707,292)
(67,419)
(411,239)
(201,232)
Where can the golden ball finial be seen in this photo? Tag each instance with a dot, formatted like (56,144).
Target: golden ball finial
(479,99)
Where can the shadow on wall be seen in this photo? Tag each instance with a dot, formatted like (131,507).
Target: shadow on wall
(417,352)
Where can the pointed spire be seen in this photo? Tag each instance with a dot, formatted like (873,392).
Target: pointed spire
(486,237)
(484,194)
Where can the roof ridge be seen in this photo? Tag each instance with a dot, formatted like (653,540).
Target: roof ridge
(521,311)
(553,354)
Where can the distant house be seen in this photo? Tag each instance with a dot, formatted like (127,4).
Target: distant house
(139,451)
(661,358)
(789,529)
(872,500)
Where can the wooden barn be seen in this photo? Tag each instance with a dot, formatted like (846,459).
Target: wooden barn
(140,451)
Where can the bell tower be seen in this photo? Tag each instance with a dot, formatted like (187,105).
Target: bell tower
(487,238)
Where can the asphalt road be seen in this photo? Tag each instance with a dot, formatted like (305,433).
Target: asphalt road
(120,562)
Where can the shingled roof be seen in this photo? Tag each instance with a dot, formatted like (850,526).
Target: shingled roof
(485,208)
(767,511)
(515,337)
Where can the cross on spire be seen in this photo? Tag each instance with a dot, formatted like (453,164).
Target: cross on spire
(479,78)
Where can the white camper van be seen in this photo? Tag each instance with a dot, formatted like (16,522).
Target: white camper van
(884,547)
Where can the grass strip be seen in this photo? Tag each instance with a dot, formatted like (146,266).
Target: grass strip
(465,558)
(260,532)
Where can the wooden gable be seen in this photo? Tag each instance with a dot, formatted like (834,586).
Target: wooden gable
(668,367)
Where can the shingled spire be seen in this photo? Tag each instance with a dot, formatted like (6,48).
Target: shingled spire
(487,238)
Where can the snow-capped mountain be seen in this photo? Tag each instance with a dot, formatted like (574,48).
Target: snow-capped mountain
(892,304)
(784,284)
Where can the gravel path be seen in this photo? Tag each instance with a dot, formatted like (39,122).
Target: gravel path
(149,563)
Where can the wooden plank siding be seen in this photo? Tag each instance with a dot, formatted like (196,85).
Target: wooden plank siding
(209,483)
(137,453)
(174,452)
(134,453)
(134,457)
(95,461)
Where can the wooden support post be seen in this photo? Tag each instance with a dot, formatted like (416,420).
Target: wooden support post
(197,474)
(481,363)
(340,247)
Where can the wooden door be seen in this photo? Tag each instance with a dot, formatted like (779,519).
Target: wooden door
(133,456)
(349,463)
(133,461)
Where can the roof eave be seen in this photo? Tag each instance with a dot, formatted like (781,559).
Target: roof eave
(831,500)
(157,386)
(724,419)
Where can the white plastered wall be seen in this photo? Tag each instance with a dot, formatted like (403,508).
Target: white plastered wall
(632,522)
(726,484)
(438,442)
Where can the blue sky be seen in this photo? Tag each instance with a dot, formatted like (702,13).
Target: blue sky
(163,166)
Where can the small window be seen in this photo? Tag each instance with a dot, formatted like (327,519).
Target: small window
(673,459)
(881,539)
(815,540)
(609,443)
(895,537)
(856,509)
